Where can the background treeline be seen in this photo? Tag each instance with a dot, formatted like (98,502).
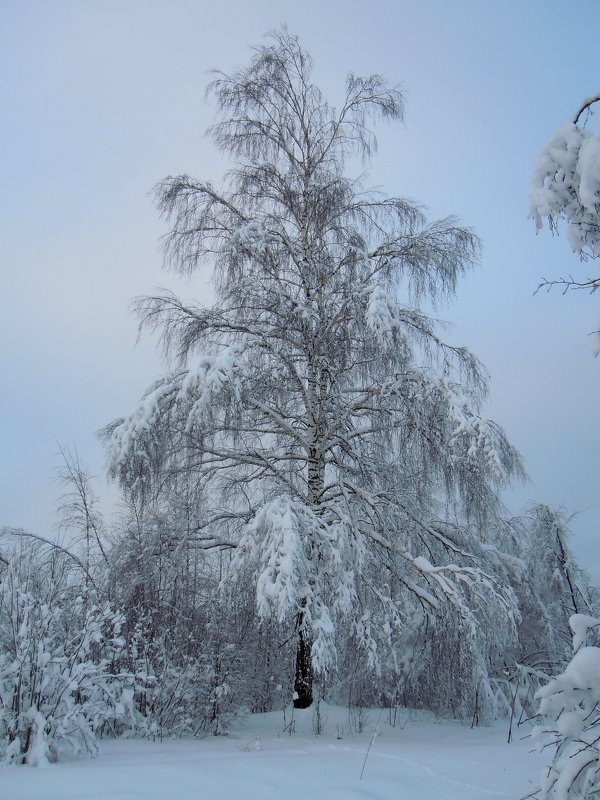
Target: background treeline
(137,631)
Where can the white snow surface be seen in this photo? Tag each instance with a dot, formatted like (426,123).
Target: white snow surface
(420,757)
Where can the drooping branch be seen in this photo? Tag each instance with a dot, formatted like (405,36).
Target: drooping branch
(585,106)
(20,533)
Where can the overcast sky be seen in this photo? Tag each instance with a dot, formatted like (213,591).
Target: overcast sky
(102,99)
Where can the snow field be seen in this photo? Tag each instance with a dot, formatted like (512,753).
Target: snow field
(420,759)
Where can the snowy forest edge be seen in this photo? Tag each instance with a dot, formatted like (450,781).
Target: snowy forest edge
(312,500)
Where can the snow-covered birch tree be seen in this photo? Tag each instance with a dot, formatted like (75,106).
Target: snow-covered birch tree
(332,430)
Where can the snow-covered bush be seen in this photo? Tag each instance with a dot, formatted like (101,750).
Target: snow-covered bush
(571,705)
(199,657)
(184,694)
(58,651)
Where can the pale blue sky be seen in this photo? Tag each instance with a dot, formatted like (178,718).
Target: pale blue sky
(100,100)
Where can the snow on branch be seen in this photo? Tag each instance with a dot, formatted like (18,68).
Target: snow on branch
(566,184)
(469,444)
(210,378)
(188,397)
(251,237)
(477,440)
(281,547)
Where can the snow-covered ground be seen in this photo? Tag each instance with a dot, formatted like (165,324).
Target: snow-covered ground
(419,759)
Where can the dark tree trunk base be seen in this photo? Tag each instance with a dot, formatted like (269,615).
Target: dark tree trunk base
(303,682)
